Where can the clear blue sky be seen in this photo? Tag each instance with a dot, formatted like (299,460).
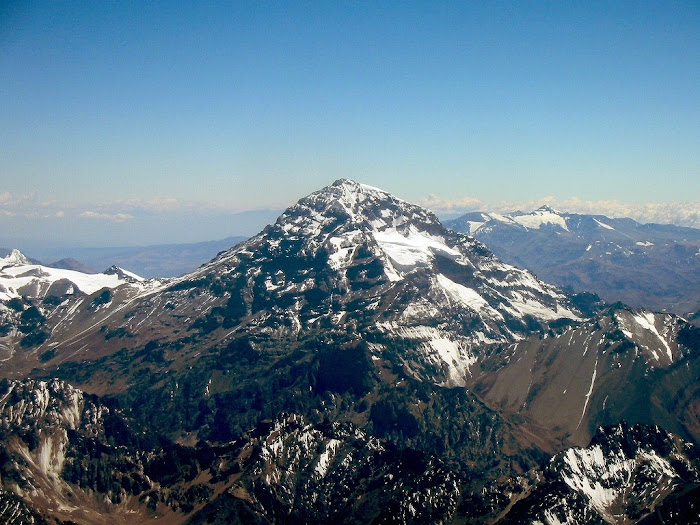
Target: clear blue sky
(111,108)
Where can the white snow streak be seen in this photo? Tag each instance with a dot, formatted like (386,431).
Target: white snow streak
(460,293)
(646,321)
(590,391)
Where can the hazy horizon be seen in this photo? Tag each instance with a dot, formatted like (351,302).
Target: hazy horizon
(50,244)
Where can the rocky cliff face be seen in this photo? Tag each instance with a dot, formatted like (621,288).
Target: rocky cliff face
(623,364)
(623,476)
(75,458)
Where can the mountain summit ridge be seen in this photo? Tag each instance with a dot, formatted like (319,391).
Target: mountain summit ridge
(379,262)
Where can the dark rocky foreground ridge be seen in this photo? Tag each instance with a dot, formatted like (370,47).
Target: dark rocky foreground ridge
(355,362)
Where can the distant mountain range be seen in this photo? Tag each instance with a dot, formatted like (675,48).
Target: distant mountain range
(158,260)
(643,265)
(354,362)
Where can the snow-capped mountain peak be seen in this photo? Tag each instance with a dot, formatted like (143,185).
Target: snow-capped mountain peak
(123,274)
(381,262)
(15,258)
(547,208)
(345,204)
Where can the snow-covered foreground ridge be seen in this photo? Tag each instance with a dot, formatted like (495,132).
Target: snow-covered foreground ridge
(622,468)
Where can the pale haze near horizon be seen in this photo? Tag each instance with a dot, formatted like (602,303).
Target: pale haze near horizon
(130,123)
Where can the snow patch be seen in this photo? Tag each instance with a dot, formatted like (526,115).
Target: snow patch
(590,391)
(412,249)
(542,217)
(646,320)
(325,458)
(457,359)
(342,249)
(603,225)
(474,226)
(460,293)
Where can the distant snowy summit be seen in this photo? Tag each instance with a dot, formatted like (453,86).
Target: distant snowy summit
(547,218)
(123,274)
(15,258)
(543,217)
(644,265)
(20,277)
